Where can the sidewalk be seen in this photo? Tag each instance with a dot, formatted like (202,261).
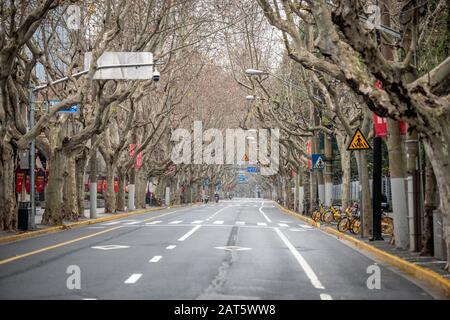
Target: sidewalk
(39,226)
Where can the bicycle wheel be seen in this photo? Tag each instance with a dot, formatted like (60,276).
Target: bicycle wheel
(316,216)
(327,216)
(342,226)
(387,225)
(355,226)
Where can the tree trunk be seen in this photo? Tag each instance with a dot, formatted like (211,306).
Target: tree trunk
(8,207)
(430,206)
(52,214)
(70,211)
(328,174)
(110,196)
(366,204)
(437,149)
(121,192)
(397,174)
(80,166)
(346,172)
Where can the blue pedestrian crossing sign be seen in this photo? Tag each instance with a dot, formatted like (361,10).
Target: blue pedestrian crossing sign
(317,161)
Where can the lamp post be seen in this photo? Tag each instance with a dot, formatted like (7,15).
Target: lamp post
(36,89)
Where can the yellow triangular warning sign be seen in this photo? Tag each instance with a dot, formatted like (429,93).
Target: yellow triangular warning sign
(245,158)
(358,142)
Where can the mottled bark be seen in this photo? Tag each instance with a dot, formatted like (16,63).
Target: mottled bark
(80,165)
(366,203)
(54,203)
(430,206)
(69,208)
(110,196)
(121,191)
(8,206)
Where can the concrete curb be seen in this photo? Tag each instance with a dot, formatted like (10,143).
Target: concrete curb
(32,234)
(430,277)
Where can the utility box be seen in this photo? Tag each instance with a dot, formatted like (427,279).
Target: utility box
(25,216)
(440,248)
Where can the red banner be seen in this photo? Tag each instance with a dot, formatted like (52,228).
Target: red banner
(99,185)
(380,125)
(40,181)
(403,125)
(104,185)
(403,128)
(20,177)
(116,185)
(138,162)
(27,184)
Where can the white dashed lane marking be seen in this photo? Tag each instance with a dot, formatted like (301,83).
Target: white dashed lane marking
(262,224)
(134,222)
(241,223)
(155,259)
(154,222)
(283,225)
(171,247)
(218,222)
(324,296)
(175,222)
(133,278)
(197,221)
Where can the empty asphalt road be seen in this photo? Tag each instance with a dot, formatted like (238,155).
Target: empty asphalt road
(237,249)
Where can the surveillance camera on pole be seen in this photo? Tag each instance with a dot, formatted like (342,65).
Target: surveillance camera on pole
(156,75)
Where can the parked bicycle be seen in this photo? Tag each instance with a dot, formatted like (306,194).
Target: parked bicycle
(351,220)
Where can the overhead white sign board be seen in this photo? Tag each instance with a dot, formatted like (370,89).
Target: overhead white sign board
(122,58)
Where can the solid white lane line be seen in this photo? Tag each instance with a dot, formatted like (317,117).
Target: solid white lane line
(241,223)
(134,222)
(283,225)
(305,266)
(197,221)
(266,217)
(154,222)
(214,214)
(175,222)
(262,224)
(171,247)
(155,259)
(218,222)
(133,278)
(187,235)
(324,296)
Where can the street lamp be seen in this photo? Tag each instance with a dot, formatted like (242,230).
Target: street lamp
(255,72)
(35,90)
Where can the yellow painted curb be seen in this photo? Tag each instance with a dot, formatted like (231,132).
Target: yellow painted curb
(31,234)
(432,278)
(299,216)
